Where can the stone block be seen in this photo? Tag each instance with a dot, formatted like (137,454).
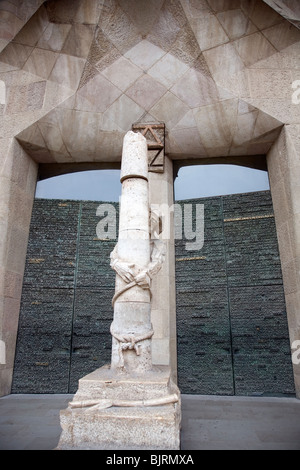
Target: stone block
(282,35)
(124,111)
(245,128)
(264,83)
(168,70)
(215,123)
(143,14)
(118,28)
(293,308)
(105,383)
(186,47)
(195,9)
(33,29)
(195,89)
(88,12)
(122,73)
(16,54)
(121,429)
(54,37)
(296,233)
(260,14)
(80,146)
(169,109)
(79,40)
(16,250)
(223,61)
(119,425)
(290,276)
(62,12)
(146,92)
(166,29)
(235,23)
(254,48)
(67,71)
(41,62)
(10,314)
(208,31)
(86,100)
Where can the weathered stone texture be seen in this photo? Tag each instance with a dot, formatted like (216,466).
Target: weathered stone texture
(174,45)
(232,323)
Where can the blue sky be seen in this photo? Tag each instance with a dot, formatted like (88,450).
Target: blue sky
(192,182)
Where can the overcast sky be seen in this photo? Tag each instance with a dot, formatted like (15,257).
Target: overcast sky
(192,182)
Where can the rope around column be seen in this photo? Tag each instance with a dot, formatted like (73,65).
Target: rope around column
(129,342)
(126,288)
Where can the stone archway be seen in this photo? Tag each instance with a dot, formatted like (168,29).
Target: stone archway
(78,76)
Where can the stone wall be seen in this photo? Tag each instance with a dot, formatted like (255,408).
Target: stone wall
(66,302)
(231,317)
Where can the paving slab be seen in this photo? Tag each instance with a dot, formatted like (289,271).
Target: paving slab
(31,422)
(240,423)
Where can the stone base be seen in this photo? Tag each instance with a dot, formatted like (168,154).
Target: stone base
(122,427)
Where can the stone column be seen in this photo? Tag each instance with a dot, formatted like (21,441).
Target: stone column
(163,312)
(18,174)
(131,258)
(284,175)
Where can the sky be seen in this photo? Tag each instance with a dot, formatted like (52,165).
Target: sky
(192,182)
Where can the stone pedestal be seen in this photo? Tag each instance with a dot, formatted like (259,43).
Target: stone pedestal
(127,427)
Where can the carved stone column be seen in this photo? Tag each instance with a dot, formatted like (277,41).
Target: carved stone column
(129,404)
(131,328)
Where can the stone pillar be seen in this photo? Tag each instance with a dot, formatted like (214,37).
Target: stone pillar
(284,175)
(163,312)
(130,404)
(18,174)
(161,197)
(132,309)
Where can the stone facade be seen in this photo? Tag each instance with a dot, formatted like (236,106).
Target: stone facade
(77,75)
(230,292)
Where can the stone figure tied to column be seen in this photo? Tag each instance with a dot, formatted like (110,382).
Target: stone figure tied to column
(133,276)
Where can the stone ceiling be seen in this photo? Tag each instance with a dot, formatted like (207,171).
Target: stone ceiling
(289,9)
(79,73)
